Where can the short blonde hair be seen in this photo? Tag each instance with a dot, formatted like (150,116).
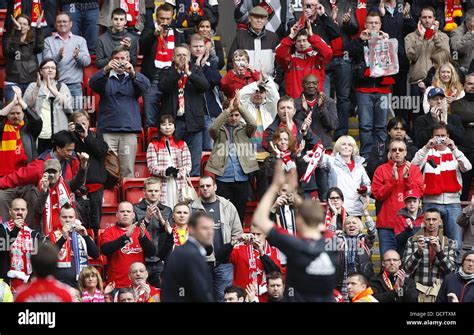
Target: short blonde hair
(353,218)
(87,272)
(352,142)
(241,53)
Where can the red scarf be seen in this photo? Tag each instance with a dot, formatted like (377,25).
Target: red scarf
(329,215)
(36,11)
(57,197)
(452,9)
(20,253)
(181,85)
(12,150)
(164,50)
(256,272)
(288,163)
(443,178)
(386,280)
(65,252)
(176,240)
(132,7)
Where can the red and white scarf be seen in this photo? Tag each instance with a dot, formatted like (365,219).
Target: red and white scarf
(288,162)
(68,250)
(36,11)
(181,86)
(12,150)
(164,50)
(310,52)
(255,272)
(387,281)
(443,178)
(329,215)
(20,253)
(176,240)
(97,297)
(132,8)
(58,196)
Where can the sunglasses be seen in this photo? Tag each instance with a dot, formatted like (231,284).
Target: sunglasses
(397,150)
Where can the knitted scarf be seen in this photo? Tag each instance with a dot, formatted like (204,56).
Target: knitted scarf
(464,275)
(443,178)
(306,53)
(195,8)
(36,11)
(57,197)
(78,249)
(164,50)
(288,162)
(97,297)
(257,273)
(176,240)
(181,85)
(20,253)
(452,9)
(11,149)
(132,8)
(329,215)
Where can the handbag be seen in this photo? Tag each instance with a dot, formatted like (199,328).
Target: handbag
(428,293)
(112,166)
(188,191)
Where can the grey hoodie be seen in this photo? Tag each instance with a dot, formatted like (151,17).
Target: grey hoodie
(110,41)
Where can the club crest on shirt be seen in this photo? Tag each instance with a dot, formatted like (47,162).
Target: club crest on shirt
(128,249)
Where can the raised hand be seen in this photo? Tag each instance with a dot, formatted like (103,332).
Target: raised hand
(16,23)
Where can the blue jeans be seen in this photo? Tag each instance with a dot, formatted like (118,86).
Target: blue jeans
(194,142)
(222,276)
(449,214)
(77,95)
(387,241)
(339,70)
(9,94)
(151,104)
(207,142)
(373,113)
(84,24)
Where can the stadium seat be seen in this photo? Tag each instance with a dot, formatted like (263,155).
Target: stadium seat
(108,219)
(111,198)
(249,210)
(141,170)
(195,182)
(204,158)
(151,132)
(141,141)
(132,189)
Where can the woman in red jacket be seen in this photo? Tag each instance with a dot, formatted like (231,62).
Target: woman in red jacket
(389,183)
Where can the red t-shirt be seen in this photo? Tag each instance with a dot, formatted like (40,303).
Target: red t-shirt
(44,290)
(240,258)
(119,261)
(351,165)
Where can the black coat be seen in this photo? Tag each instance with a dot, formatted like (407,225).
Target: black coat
(453,283)
(186,276)
(97,148)
(29,132)
(382,292)
(195,104)
(423,129)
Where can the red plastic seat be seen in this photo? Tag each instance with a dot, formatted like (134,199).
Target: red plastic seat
(108,219)
(249,210)
(141,170)
(132,189)
(111,198)
(195,182)
(151,132)
(141,141)
(204,158)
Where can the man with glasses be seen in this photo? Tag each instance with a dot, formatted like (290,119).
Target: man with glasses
(438,112)
(393,284)
(71,55)
(227,229)
(442,164)
(459,286)
(391,180)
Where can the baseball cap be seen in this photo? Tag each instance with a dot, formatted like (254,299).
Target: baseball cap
(52,164)
(436,91)
(411,194)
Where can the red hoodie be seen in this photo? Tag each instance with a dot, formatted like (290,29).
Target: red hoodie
(231,82)
(298,65)
(390,191)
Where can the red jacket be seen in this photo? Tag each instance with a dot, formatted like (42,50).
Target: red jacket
(390,191)
(298,65)
(242,277)
(401,221)
(33,172)
(231,82)
(44,290)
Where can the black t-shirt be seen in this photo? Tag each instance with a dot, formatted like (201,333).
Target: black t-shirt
(213,209)
(311,270)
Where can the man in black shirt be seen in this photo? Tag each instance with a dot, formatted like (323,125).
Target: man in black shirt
(310,266)
(227,228)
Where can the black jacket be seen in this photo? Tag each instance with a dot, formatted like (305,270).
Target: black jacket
(325,27)
(195,104)
(186,270)
(24,69)
(423,129)
(97,148)
(382,292)
(29,132)
(463,108)
(157,233)
(453,283)
(148,43)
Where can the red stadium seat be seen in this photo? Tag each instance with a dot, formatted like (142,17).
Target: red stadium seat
(108,219)
(249,210)
(111,198)
(141,170)
(132,189)
(151,132)
(195,182)
(204,158)
(141,141)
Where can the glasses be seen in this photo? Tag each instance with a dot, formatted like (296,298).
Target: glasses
(397,150)
(48,68)
(335,198)
(388,260)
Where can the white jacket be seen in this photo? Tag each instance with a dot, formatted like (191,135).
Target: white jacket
(347,181)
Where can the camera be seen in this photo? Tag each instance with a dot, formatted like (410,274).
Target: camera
(50,177)
(122,65)
(79,128)
(240,63)
(374,34)
(426,239)
(166,27)
(74,225)
(440,140)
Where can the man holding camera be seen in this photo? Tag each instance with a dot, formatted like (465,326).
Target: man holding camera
(429,256)
(152,212)
(74,245)
(119,87)
(442,164)
(125,243)
(437,112)
(55,192)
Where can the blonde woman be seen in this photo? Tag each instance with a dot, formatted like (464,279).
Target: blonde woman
(447,78)
(346,171)
(91,286)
